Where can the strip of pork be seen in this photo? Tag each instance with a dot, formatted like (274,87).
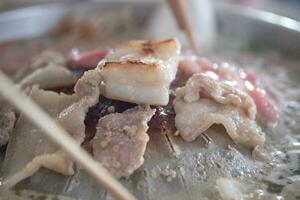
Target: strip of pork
(204,101)
(141,71)
(121,139)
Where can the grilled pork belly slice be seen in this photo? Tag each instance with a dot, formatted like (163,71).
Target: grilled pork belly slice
(204,101)
(121,139)
(141,71)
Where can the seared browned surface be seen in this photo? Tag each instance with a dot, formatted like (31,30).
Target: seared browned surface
(129,63)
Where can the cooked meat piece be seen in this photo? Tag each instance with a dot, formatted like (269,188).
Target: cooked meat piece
(141,71)
(204,101)
(72,118)
(47,57)
(57,161)
(203,84)
(89,84)
(40,61)
(245,80)
(51,76)
(192,119)
(70,112)
(28,146)
(121,139)
(7,122)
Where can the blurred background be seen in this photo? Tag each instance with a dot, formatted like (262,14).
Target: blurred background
(202,13)
(61,25)
(290,8)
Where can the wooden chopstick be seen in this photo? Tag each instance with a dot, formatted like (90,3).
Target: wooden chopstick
(184,23)
(59,136)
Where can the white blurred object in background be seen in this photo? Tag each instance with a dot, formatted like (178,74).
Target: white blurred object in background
(202,16)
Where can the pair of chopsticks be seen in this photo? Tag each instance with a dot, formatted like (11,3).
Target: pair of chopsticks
(60,137)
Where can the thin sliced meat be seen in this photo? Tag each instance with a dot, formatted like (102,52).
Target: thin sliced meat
(40,61)
(70,112)
(28,145)
(50,76)
(89,84)
(194,118)
(72,118)
(203,84)
(245,80)
(57,161)
(121,139)
(47,57)
(87,89)
(204,101)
